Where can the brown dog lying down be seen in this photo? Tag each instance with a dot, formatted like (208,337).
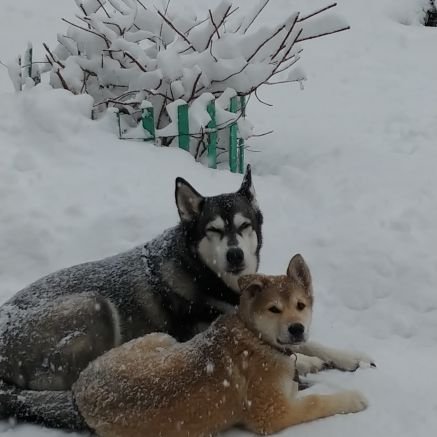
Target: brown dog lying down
(239,371)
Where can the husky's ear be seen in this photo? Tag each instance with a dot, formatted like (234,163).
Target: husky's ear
(299,272)
(247,189)
(188,201)
(251,284)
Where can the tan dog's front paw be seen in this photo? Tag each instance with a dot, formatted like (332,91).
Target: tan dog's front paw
(350,361)
(307,364)
(353,401)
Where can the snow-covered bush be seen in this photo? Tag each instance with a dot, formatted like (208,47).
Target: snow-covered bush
(122,52)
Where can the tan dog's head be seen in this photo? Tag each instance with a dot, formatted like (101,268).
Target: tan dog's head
(279,308)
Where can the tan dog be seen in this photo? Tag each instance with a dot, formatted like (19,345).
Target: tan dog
(239,371)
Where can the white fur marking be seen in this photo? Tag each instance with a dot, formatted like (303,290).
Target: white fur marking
(240,219)
(217,223)
(116,323)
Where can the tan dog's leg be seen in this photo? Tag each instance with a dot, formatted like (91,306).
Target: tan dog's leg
(335,358)
(281,413)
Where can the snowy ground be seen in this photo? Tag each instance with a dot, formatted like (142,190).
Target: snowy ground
(348,179)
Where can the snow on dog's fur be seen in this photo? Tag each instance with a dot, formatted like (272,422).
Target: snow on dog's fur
(239,371)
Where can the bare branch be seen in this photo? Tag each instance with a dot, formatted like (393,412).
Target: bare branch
(283,81)
(294,59)
(64,84)
(259,99)
(141,4)
(323,34)
(120,30)
(266,2)
(134,61)
(282,45)
(261,135)
(218,26)
(195,25)
(115,102)
(176,30)
(211,18)
(49,61)
(103,7)
(201,22)
(288,51)
(280,29)
(162,24)
(193,92)
(317,12)
(90,31)
(82,8)
(55,60)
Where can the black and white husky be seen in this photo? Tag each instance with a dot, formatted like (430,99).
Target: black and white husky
(178,283)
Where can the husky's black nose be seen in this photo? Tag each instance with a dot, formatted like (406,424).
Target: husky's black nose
(296,330)
(235,256)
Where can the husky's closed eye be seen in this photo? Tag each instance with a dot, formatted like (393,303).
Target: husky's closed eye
(217,231)
(244,227)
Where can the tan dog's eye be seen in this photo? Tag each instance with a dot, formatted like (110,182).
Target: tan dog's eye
(300,306)
(275,310)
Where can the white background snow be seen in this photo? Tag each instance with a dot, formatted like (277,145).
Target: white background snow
(348,179)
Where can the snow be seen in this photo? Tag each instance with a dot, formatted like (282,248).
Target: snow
(347,179)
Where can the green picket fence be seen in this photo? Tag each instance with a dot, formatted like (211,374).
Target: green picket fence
(236,143)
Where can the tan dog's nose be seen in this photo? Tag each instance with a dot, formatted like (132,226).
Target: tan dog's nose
(296,330)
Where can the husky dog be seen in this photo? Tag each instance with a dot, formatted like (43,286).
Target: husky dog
(178,283)
(238,371)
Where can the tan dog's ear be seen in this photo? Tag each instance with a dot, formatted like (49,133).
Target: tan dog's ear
(299,272)
(251,284)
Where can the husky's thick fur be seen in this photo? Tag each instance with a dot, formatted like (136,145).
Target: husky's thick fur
(178,283)
(238,371)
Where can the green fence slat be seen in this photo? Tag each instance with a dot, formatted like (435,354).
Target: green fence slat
(20,74)
(148,120)
(183,127)
(30,61)
(233,138)
(241,140)
(212,136)
(117,114)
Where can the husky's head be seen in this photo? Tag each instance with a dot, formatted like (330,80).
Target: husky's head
(224,231)
(279,308)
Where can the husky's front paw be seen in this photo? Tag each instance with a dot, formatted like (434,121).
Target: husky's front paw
(307,364)
(350,361)
(352,401)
